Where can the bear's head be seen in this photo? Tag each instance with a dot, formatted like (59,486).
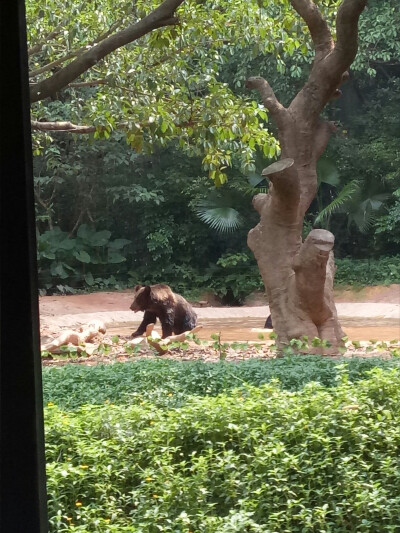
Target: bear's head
(141,298)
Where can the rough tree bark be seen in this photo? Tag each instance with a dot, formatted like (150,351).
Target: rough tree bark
(298,277)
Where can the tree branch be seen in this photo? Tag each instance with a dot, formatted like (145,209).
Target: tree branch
(321,137)
(347,32)
(75,53)
(270,101)
(90,83)
(162,16)
(330,71)
(286,187)
(37,47)
(61,126)
(69,127)
(317,25)
(45,207)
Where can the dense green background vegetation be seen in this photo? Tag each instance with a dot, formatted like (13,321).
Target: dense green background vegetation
(303,444)
(116,208)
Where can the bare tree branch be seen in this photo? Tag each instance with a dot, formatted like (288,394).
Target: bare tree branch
(270,101)
(162,16)
(331,71)
(61,126)
(45,207)
(320,32)
(75,53)
(90,83)
(285,182)
(53,64)
(69,126)
(321,137)
(78,221)
(347,31)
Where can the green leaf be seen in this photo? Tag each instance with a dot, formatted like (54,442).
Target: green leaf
(48,255)
(85,232)
(67,244)
(328,172)
(115,257)
(57,269)
(100,238)
(256,180)
(89,279)
(82,256)
(117,244)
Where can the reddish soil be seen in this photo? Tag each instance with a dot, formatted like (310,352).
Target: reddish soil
(232,328)
(120,301)
(85,303)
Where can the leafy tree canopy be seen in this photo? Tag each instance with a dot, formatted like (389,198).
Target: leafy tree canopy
(167,83)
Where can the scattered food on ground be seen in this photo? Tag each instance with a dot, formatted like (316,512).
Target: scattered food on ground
(188,347)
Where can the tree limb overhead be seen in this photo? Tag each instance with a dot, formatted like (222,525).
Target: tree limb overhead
(270,101)
(61,126)
(347,31)
(162,16)
(317,25)
(330,71)
(75,53)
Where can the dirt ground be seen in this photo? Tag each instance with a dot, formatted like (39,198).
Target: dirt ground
(118,301)
(369,313)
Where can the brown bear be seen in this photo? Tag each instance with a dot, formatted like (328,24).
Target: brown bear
(158,301)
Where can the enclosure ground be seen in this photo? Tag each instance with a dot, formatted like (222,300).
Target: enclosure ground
(365,314)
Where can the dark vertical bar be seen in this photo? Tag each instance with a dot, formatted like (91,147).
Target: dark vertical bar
(23,492)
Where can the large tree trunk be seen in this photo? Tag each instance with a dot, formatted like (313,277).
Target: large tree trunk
(298,277)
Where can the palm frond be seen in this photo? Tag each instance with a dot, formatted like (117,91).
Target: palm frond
(222,219)
(345,195)
(376,201)
(363,219)
(217,211)
(367,212)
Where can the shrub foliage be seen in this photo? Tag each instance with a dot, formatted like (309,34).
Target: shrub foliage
(262,459)
(71,386)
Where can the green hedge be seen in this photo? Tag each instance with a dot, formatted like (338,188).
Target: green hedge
(253,460)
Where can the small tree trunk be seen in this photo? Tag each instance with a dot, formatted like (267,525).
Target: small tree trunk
(298,276)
